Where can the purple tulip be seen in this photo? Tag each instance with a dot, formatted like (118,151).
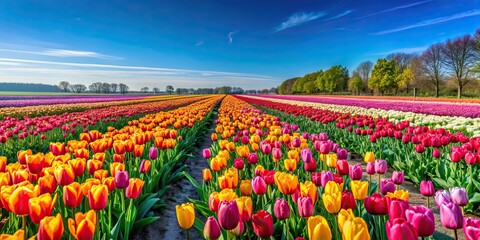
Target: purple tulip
(459,196)
(306,155)
(153,153)
(121,180)
(386,186)
(206,153)
(380,166)
(356,172)
(370,168)
(442,196)
(422,219)
(398,177)
(305,207)
(334,148)
(426,188)
(325,177)
(451,215)
(228,215)
(281,209)
(342,154)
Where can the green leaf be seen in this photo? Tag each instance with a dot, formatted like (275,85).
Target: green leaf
(145,207)
(475,198)
(142,223)
(440,182)
(116,229)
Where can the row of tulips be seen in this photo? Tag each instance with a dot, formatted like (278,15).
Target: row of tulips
(23,101)
(470,125)
(102,185)
(35,133)
(420,152)
(268,180)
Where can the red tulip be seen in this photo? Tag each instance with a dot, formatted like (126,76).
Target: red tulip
(348,201)
(376,204)
(262,223)
(342,167)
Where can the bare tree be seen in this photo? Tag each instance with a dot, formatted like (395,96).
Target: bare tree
(402,60)
(106,87)
(156,90)
(169,89)
(460,57)
(78,88)
(364,70)
(64,86)
(114,87)
(123,88)
(144,89)
(432,65)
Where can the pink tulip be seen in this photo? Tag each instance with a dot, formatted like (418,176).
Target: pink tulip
(281,209)
(259,186)
(471,228)
(305,207)
(426,188)
(206,153)
(211,230)
(400,229)
(398,177)
(451,215)
(422,219)
(380,166)
(397,208)
(228,214)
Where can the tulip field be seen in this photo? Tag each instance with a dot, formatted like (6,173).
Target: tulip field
(277,167)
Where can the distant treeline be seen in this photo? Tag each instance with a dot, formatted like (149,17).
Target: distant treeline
(223,90)
(27,87)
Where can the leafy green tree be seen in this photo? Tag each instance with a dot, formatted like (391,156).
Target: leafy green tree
(405,79)
(334,79)
(355,84)
(384,76)
(286,86)
(299,85)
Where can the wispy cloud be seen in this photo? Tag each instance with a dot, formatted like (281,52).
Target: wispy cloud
(199,43)
(396,8)
(28,70)
(433,21)
(344,13)
(230,36)
(298,19)
(62,53)
(402,50)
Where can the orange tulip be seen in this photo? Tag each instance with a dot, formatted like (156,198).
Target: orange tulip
(47,184)
(98,146)
(19,235)
(78,166)
(85,137)
(119,147)
(308,189)
(22,156)
(83,227)
(290,164)
(94,165)
(72,195)
(98,197)
(134,188)
(214,137)
(286,183)
(207,175)
(138,150)
(246,187)
(50,228)
(129,146)
(35,162)
(18,200)
(64,174)
(41,207)
(227,194)
(5,179)
(87,185)
(99,156)
(20,175)
(100,174)
(119,158)
(57,148)
(3,163)
(110,182)
(115,167)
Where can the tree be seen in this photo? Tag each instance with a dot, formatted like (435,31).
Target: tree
(169,89)
(334,79)
(64,86)
(364,70)
(156,90)
(78,88)
(114,87)
(123,88)
(432,65)
(299,84)
(106,88)
(477,38)
(95,87)
(355,84)
(384,75)
(144,89)
(405,78)
(402,60)
(286,86)
(460,57)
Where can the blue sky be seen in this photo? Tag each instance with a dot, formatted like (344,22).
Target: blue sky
(250,44)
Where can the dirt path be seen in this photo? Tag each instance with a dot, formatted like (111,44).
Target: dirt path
(415,198)
(167,227)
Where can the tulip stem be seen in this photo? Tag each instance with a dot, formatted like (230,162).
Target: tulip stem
(379,177)
(24,225)
(428,202)
(456,235)
(188,234)
(286,228)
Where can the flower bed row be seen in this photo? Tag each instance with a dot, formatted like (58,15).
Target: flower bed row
(454,123)
(422,153)
(23,101)
(35,133)
(268,180)
(100,186)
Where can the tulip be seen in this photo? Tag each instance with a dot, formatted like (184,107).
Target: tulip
(398,177)
(386,186)
(145,166)
(356,229)
(306,155)
(397,208)
(359,189)
(269,176)
(134,188)
(442,196)
(342,167)
(331,160)
(376,204)
(50,228)
(400,229)
(213,201)
(471,228)
(262,223)
(422,220)
(332,202)
(305,207)
(325,148)
(342,154)
(98,197)
(325,177)
(153,153)
(344,216)
(296,142)
(276,153)
(246,187)
(470,158)
(459,196)
(370,168)
(245,208)
(46,183)
(451,215)
(207,175)
(206,153)
(41,207)
(211,230)
(18,235)
(238,230)
(138,150)
(398,194)
(286,183)
(238,163)
(348,201)
(455,156)
(281,209)
(318,228)
(436,153)
(19,198)
(259,186)
(252,158)
(369,157)
(380,166)
(316,179)
(228,215)
(290,164)
(64,174)
(185,215)
(72,195)
(121,179)
(83,226)
(311,166)
(356,172)
(426,188)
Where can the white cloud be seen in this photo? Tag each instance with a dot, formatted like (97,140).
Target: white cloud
(344,13)
(433,21)
(199,43)
(396,8)
(230,36)
(62,53)
(298,19)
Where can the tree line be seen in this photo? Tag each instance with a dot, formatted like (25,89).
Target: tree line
(448,66)
(27,87)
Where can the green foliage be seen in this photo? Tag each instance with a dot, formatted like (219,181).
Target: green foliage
(355,84)
(405,79)
(334,79)
(384,76)
(299,85)
(286,86)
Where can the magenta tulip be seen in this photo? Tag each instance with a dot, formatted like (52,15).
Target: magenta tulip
(471,228)
(277,153)
(356,172)
(281,209)
(206,153)
(305,207)
(426,188)
(252,158)
(422,219)
(380,166)
(306,155)
(342,154)
(386,186)
(451,215)
(316,178)
(436,153)
(400,229)
(325,177)
(228,215)
(121,180)
(238,163)
(211,230)
(259,186)
(398,177)
(370,168)
(397,208)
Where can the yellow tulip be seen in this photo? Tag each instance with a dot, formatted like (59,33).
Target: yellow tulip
(344,216)
(318,228)
(308,189)
(286,183)
(332,187)
(290,164)
(359,189)
(332,202)
(399,194)
(356,229)
(185,215)
(227,194)
(332,160)
(369,157)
